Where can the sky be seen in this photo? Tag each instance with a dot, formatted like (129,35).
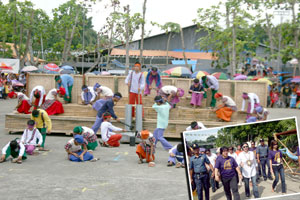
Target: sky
(201,134)
(160,11)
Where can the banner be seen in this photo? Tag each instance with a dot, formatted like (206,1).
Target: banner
(14,63)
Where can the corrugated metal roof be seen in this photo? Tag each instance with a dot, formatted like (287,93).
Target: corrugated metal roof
(159,53)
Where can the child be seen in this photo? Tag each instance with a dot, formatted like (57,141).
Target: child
(293,99)
(110,139)
(146,149)
(30,137)
(23,102)
(197,91)
(77,150)
(162,108)
(274,97)
(15,149)
(88,134)
(171,94)
(152,75)
(176,153)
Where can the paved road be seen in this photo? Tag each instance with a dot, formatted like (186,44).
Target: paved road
(116,176)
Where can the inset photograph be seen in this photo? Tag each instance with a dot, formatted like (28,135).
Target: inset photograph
(246,161)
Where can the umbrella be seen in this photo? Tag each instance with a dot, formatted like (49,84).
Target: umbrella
(199,74)
(220,75)
(29,69)
(66,71)
(105,73)
(8,71)
(296,76)
(68,67)
(179,72)
(52,67)
(256,78)
(249,77)
(4,66)
(265,80)
(286,81)
(50,72)
(295,80)
(17,83)
(236,75)
(164,75)
(298,104)
(240,77)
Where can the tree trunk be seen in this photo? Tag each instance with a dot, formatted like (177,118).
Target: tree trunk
(168,44)
(233,43)
(269,31)
(142,34)
(65,46)
(69,42)
(127,42)
(183,48)
(24,58)
(15,33)
(110,40)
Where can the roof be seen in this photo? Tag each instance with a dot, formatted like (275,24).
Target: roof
(14,53)
(159,53)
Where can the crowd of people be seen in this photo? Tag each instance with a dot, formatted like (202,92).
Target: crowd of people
(10,82)
(248,164)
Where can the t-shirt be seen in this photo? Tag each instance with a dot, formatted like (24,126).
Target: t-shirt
(226,166)
(105,91)
(286,91)
(163,111)
(212,159)
(72,147)
(253,149)
(262,150)
(106,130)
(249,163)
(169,89)
(275,156)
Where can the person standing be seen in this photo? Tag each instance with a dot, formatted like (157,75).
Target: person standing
(197,91)
(42,123)
(136,83)
(66,81)
(276,166)
(198,172)
(228,168)
(210,83)
(226,109)
(247,161)
(258,171)
(163,109)
(152,75)
(262,152)
(286,93)
(212,159)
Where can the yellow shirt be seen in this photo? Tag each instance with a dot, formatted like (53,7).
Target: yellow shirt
(39,122)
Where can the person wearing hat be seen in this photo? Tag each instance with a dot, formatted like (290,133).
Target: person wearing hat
(146,149)
(42,123)
(15,149)
(226,169)
(38,92)
(195,126)
(109,138)
(163,109)
(210,83)
(52,105)
(176,153)
(197,91)
(198,172)
(247,162)
(30,137)
(66,81)
(262,152)
(225,110)
(77,150)
(152,75)
(171,94)
(88,95)
(212,159)
(108,106)
(101,90)
(88,134)
(253,102)
(23,102)
(136,83)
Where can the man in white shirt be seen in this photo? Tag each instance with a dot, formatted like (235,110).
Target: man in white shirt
(39,93)
(246,160)
(212,159)
(136,83)
(30,137)
(253,102)
(109,138)
(195,126)
(103,91)
(16,149)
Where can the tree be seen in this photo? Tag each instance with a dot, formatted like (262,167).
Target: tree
(143,33)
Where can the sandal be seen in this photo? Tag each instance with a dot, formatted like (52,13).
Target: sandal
(178,165)
(170,164)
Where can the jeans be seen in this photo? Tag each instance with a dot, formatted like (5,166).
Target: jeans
(231,184)
(202,182)
(279,170)
(255,189)
(214,184)
(263,163)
